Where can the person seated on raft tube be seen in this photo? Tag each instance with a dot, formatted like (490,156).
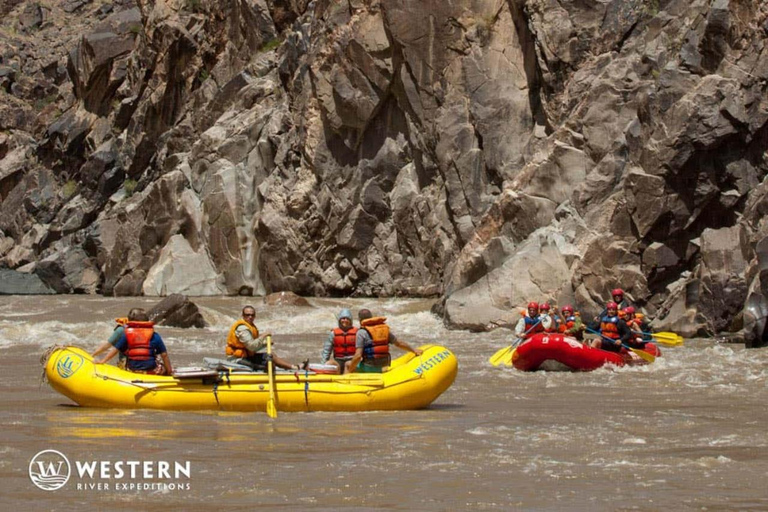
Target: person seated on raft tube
(628,315)
(532,323)
(244,345)
(613,329)
(572,324)
(643,326)
(143,348)
(340,346)
(554,323)
(618,297)
(117,334)
(372,345)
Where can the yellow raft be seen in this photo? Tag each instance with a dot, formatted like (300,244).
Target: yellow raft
(411,383)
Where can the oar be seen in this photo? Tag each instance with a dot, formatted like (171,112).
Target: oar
(271,403)
(665,338)
(502,355)
(505,354)
(642,353)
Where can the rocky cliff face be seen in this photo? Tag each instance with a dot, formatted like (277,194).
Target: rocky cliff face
(489,152)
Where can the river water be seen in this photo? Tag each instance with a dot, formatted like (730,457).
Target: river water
(686,433)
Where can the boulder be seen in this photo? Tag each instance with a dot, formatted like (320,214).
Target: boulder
(181,269)
(13,282)
(177,310)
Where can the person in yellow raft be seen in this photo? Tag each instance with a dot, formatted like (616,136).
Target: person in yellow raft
(372,345)
(244,344)
(117,333)
(143,348)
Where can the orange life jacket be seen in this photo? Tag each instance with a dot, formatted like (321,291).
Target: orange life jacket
(139,336)
(123,320)
(235,347)
(609,327)
(568,323)
(344,342)
(379,332)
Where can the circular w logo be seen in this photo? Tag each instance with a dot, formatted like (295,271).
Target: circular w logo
(49,470)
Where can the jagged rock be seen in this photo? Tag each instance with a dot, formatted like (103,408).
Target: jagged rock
(395,148)
(285,299)
(180,269)
(177,310)
(31,17)
(13,282)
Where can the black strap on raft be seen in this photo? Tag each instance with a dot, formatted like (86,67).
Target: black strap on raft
(215,391)
(306,387)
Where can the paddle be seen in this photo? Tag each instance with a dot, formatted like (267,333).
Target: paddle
(665,338)
(505,354)
(271,403)
(642,353)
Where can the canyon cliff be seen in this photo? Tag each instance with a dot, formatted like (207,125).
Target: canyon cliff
(486,152)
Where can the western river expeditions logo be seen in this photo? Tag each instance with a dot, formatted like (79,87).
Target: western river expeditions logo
(69,365)
(50,470)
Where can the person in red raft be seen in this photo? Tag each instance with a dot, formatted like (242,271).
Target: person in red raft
(144,349)
(532,322)
(614,331)
(571,324)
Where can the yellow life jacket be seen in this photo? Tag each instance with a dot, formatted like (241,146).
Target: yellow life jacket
(235,347)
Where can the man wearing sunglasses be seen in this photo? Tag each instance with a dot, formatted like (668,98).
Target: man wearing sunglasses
(244,344)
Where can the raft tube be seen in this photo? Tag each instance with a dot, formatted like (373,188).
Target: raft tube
(413,382)
(557,352)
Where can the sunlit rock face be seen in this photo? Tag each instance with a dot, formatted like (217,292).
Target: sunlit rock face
(488,153)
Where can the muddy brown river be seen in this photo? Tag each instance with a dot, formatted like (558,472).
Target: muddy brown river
(686,433)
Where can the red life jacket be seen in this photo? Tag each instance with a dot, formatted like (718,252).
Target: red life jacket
(609,327)
(379,332)
(139,335)
(344,342)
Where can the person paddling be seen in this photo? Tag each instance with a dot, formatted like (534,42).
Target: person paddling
(532,323)
(572,324)
(613,330)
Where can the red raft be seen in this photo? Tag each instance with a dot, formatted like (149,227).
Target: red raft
(556,352)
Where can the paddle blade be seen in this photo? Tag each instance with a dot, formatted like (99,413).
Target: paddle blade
(642,353)
(510,358)
(501,355)
(271,409)
(668,338)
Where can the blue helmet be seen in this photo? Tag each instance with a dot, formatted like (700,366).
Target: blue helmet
(345,313)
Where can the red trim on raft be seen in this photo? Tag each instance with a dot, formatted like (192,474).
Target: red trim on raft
(532,353)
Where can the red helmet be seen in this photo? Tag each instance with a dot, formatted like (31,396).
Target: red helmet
(629,310)
(611,305)
(544,306)
(617,291)
(567,308)
(533,305)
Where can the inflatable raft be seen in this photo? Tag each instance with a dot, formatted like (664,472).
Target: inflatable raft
(413,382)
(556,352)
